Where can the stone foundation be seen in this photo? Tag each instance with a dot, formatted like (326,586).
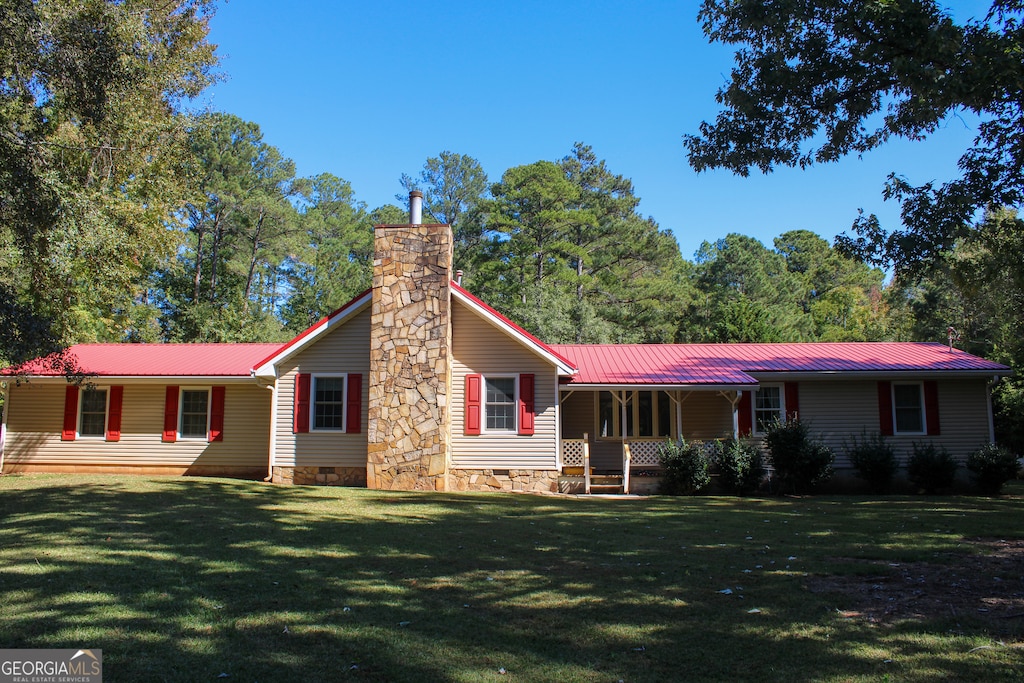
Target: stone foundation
(531,481)
(320,476)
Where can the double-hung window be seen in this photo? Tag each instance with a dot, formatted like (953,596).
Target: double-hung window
(768,407)
(195,414)
(92,412)
(500,404)
(908,408)
(329,402)
(93,416)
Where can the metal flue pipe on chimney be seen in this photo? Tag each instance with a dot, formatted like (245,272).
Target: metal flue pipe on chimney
(415,207)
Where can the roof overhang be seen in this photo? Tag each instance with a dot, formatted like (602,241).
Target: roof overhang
(136,379)
(910,373)
(571,386)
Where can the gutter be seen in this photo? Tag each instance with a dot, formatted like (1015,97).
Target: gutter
(988,401)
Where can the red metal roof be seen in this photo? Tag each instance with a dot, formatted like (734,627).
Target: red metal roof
(597,364)
(712,364)
(158,360)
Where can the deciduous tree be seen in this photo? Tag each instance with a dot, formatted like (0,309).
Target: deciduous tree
(92,155)
(816,81)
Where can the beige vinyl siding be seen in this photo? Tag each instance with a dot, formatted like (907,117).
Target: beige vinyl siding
(481,348)
(578,416)
(706,415)
(36,416)
(839,409)
(343,349)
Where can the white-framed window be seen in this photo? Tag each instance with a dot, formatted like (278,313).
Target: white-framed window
(92,412)
(500,404)
(647,414)
(327,404)
(194,413)
(908,408)
(769,407)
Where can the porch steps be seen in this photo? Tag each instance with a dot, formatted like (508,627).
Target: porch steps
(606,483)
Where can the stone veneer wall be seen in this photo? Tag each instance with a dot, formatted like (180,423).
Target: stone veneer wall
(329,476)
(535,481)
(409,416)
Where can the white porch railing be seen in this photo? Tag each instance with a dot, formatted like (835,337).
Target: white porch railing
(576,453)
(645,451)
(638,452)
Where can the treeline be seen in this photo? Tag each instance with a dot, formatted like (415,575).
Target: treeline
(558,246)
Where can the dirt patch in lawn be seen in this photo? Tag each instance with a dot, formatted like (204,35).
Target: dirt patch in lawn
(983,588)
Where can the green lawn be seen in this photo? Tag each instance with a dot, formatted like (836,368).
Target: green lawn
(188,579)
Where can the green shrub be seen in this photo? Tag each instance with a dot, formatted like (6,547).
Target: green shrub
(686,466)
(992,467)
(931,469)
(800,464)
(741,466)
(874,459)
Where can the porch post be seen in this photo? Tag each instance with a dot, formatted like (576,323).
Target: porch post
(736,416)
(586,462)
(622,403)
(625,448)
(679,416)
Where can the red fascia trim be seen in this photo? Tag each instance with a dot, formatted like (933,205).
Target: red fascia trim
(506,321)
(309,330)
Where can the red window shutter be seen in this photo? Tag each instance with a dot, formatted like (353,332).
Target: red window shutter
(746,413)
(114,413)
(885,425)
(526,404)
(473,404)
(171,415)
(70,414)
(792,401)
(300,417)
(354,408)
(931,407)
(217,414)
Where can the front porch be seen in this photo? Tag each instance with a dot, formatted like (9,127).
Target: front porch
(610,437)
(639,471)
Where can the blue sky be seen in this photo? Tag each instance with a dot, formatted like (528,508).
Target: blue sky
(368,90)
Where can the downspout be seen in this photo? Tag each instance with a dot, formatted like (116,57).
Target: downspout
(988,402)
(4,395)
(272,455)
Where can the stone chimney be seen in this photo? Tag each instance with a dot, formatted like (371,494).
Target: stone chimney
(409,421)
